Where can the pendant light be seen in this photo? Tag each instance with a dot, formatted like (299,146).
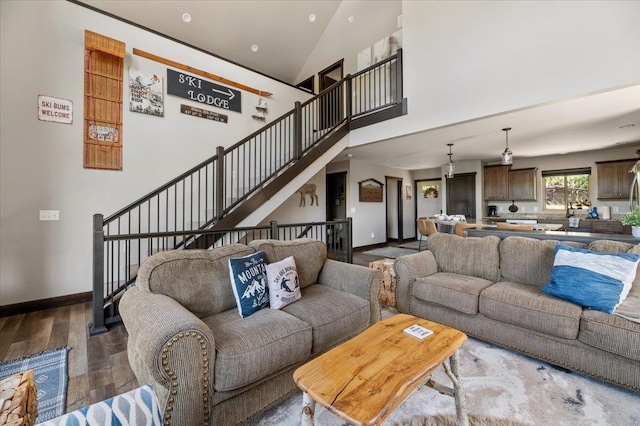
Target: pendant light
(507,155)
(450,166)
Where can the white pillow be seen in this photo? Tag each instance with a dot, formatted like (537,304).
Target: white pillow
(282,279)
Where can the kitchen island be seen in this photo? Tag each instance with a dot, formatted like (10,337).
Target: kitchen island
(580,237)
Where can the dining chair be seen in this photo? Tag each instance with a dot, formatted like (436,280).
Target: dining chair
(459,228)
(426,227)
(514,226)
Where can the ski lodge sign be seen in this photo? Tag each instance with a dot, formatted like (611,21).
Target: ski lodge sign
(203,91)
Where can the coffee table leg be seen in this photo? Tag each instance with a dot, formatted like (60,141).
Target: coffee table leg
(308,409)
(461,409)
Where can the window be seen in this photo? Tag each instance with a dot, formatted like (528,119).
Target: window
(566,189)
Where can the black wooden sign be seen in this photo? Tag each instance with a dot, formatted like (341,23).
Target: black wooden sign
(203,91)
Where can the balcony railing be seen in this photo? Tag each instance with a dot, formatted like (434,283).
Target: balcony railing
(191,210)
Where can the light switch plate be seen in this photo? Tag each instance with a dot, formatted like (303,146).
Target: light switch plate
(49,215)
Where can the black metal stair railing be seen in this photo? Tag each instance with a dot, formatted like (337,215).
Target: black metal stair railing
(191,210)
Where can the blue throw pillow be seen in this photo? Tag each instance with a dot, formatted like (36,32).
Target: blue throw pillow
(249,282)
(592,279)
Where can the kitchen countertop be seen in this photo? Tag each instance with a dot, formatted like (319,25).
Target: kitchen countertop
(581,237)
(543,218)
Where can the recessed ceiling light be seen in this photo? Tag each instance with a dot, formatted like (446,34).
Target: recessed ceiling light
(312,17)
(350,19)
(626,126)
(186,17)
(254,47)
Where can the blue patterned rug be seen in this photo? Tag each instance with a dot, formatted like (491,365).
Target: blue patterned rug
(51,377)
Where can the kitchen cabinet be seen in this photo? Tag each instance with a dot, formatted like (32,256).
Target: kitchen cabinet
(597,226)
(522,184)
(496,183)
(609,227)
(614,179)
(503,184)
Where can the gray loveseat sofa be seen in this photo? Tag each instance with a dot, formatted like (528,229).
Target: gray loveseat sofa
(491,289)
(207,364)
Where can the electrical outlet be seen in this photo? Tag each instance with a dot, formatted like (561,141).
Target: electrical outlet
(353,209)
(49,214)
(535,209)
(615,210)
(524,209)
(373,235)
(500,209)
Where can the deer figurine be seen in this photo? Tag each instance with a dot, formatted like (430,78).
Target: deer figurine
(308,188)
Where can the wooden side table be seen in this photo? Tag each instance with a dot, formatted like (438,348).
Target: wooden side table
(18,399)
(387,295)
(364,379)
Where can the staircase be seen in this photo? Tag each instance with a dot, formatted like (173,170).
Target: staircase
(203,207)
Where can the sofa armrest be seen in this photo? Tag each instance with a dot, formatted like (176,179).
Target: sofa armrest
(354,279)
(172,349)
(407,269)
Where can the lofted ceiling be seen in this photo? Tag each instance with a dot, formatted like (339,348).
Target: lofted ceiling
(285,41)
(230,28)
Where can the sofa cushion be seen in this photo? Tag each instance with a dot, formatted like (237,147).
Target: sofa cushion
(630,308)
(333,315)
(455,291)
(610,246)
(197,279)
(610,333)
(472,256)
(284,286)
(528,307)
(592,279)
(309,255)
(250,349)
(249,283)
(527,260)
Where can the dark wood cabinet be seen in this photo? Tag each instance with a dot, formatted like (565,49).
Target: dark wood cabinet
(503,184)
(496,183)
(596,226)
(608,227)
(522,184)
(614,179)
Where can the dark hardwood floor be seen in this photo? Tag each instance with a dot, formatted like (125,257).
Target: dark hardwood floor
(98,365)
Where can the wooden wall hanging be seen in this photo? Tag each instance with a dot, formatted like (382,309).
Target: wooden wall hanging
(370,190)
(103,74)
(201,73)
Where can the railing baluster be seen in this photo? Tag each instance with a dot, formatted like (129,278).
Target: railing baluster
(237,172)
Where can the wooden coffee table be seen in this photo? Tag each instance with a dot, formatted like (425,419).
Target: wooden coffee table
(364,379)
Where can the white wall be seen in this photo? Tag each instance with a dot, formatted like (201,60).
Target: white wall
(41,167)
(368,217)
(341,40)
(291,212)
(468,59)
(426,207)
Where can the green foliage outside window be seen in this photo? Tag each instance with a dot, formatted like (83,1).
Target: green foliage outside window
(570,191)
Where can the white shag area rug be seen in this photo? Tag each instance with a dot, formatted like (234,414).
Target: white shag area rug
(499,384)
(390,252)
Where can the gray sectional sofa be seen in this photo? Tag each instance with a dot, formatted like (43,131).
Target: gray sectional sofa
(491,289)
(207,364)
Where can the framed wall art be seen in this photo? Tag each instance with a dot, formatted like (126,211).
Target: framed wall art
(370,191)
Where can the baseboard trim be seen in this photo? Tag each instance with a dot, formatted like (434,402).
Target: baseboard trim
(42,304)
(370,247)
